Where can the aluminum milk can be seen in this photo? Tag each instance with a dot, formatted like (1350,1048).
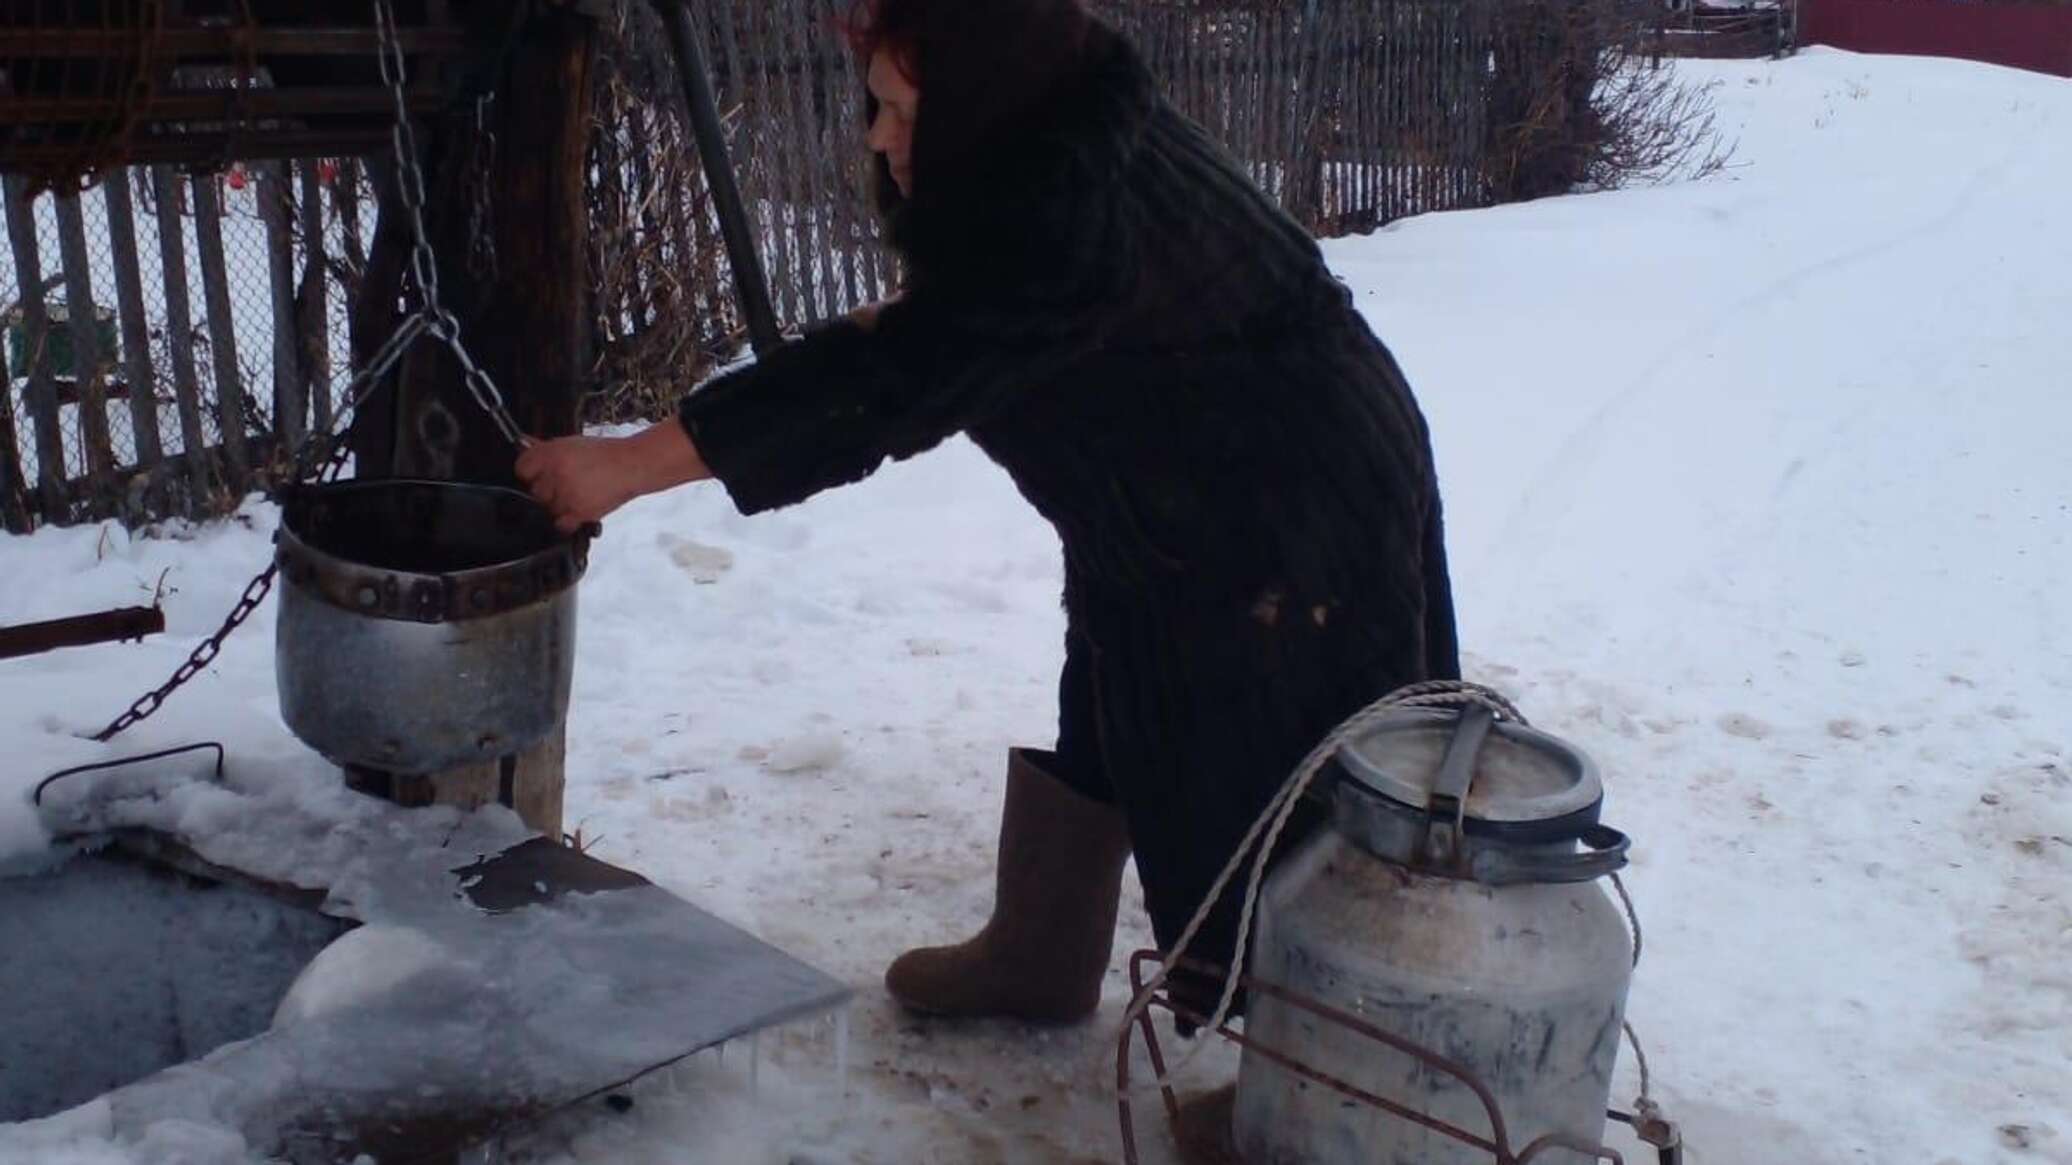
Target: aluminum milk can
(1456,904)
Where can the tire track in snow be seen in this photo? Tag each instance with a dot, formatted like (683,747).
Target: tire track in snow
(1550,495)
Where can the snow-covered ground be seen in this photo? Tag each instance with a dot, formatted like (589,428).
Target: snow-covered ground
(1759,490)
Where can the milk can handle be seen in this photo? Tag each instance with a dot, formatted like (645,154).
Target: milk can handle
(1603,854)
(1446,811)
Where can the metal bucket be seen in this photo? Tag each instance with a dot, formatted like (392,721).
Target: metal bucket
(423,624)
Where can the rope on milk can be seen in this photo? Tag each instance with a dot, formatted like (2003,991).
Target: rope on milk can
(1272,820)
(1640,1057)
(1632,915)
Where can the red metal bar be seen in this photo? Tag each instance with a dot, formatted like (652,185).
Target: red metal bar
(80,631)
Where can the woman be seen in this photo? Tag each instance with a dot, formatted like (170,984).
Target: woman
(1239,475)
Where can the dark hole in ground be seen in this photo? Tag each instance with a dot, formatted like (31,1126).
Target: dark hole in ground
(113,969)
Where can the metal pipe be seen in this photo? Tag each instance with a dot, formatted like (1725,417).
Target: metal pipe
(749,283)
(80,631)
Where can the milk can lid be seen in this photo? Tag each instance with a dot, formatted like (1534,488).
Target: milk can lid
(1521,775)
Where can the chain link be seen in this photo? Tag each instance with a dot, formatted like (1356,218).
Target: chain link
(424,265)
(323,454)
(205,654)
(481,175)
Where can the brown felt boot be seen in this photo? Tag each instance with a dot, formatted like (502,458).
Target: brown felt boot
(1043,954)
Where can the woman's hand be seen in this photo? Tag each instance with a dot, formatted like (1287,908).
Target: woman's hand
(581,479)
(866,317)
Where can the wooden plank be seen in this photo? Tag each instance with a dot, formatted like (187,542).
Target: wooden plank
(15,516)
(1365,129)
(1428,50)
(845,123)
(215,291)
(529,328)
(209,148)
(89,363)
(313,300)
(40,394)
(372,312)
(818,155)
(276,210)
(136,327)
(1265,65)
(218,105)
(746,146)
(15,508)
(534,783)
(610,194)
(1390,132)
(542,230)
(356,42)
(780,169)
(345,198)
(179,329)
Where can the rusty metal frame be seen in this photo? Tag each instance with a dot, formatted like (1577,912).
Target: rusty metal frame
(132,623)
(122,110)
(1498,1145)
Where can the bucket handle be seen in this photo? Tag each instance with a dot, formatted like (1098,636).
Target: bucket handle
(1603,854)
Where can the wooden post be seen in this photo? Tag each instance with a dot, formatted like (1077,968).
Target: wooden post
(14,493)
(136,333)
(313,302)
(531,784)
(41,394)
(529,329)
(275,210)
(372,319)
(215,291)
(179,334)
(89,363)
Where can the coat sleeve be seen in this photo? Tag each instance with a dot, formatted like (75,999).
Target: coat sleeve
(828,409)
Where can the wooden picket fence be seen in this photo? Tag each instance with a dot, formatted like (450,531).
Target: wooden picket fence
(183,363)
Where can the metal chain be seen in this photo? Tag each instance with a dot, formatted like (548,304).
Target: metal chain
(322,455)
(481,174)
(205,654)
(424,265)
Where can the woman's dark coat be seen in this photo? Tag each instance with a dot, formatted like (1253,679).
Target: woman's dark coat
(1240,477)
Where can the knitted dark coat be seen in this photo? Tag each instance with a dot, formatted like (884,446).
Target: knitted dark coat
(1238,472)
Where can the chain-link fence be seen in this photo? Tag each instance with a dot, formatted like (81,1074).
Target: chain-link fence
(165,332)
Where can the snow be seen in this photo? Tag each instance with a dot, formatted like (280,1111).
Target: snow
(1758,491)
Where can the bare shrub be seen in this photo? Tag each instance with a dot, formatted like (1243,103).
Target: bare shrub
(1576,105)
(661,313)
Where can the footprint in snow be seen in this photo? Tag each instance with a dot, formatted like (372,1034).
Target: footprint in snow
(1744,726)
(705,564)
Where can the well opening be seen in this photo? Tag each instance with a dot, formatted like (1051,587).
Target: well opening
(116,968)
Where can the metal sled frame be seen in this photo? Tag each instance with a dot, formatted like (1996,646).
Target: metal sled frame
(1498,1144)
